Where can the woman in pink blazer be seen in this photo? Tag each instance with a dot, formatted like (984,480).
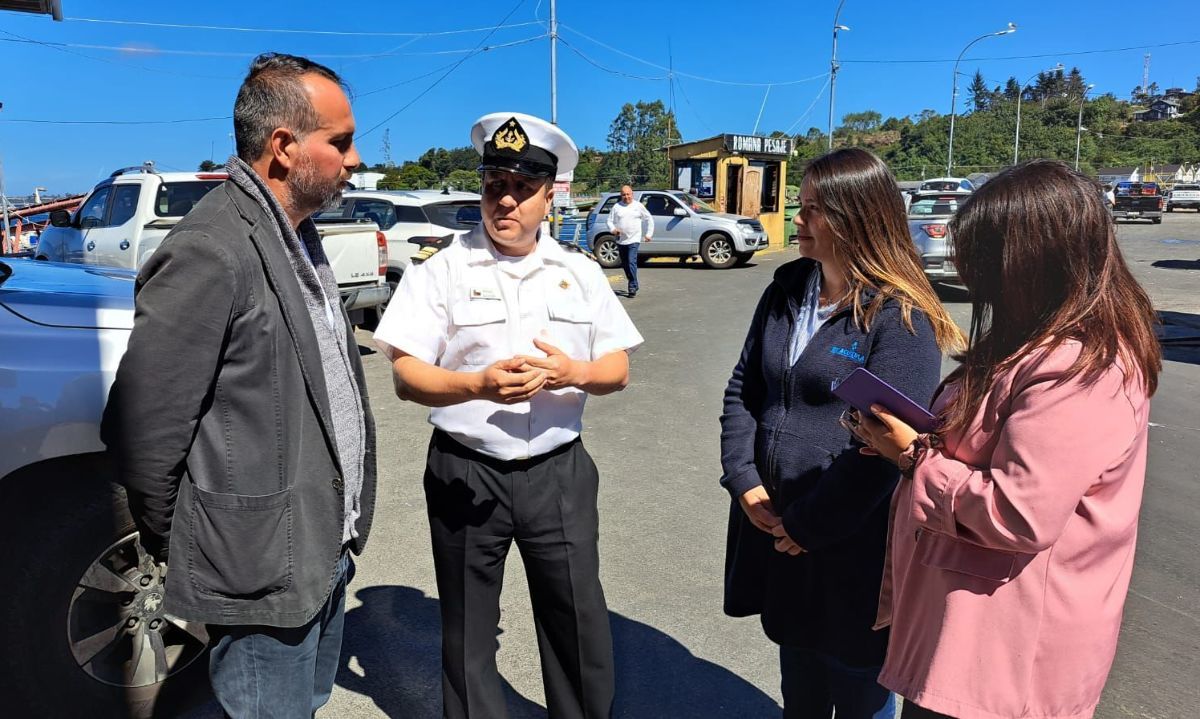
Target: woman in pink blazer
(1013,533)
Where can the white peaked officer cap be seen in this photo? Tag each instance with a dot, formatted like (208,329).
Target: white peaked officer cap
(514,142)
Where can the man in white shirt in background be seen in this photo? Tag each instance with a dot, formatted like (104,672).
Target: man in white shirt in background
(632,224)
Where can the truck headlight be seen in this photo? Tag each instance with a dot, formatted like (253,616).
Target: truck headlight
(746,229)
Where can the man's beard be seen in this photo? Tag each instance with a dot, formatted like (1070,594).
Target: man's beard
(308,191)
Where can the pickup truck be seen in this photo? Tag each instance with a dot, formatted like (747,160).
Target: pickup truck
(1184,195)
(1138,201)
(91,638)
(125,218)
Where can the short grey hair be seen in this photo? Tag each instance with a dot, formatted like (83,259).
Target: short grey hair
(273,96)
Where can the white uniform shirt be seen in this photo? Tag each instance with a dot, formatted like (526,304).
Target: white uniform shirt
(633,220)
(468,307)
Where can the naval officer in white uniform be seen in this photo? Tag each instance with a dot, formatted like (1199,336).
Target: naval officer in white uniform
(504,334)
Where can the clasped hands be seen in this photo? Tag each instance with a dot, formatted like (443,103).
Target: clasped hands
(515,380)
(756,503)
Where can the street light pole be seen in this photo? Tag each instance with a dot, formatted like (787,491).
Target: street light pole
(1079,123)
(833,69)
(1020,94)
(1012,27)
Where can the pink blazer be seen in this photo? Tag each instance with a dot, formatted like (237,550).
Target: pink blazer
(1011,549)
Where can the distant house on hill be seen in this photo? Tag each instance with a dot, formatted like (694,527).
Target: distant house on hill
(1167,106)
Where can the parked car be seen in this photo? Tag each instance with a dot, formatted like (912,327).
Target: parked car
(929,216)
(405,215)
(1184,195)
(85,634)
(947,184)
(1138,201)
(126,217)
(684,226)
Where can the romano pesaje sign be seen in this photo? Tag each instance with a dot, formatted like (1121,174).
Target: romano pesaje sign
(753,144)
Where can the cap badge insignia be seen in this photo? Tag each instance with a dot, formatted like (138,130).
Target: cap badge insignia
(511,136)
(564,284)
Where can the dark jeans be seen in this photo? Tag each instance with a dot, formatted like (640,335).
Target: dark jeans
(912,711)
(629,264)
(259,672)
(815,684)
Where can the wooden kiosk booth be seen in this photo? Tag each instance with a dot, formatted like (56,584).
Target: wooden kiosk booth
(738,174)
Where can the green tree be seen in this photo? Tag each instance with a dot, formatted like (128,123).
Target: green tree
(208,166)
(981,97)
(464,180)
(865,121)
(639,136)
(409,176)
(1012,89)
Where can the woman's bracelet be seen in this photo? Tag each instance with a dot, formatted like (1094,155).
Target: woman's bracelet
(915,452)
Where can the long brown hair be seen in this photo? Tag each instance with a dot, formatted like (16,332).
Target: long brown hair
(1038,252)
(862,204)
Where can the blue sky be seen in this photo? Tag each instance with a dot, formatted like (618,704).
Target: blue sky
(724,57)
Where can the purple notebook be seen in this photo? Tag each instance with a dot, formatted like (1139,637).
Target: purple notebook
(862,389)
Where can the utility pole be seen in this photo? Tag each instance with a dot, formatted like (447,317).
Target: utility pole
(4,238)
(554,231)
(833,69)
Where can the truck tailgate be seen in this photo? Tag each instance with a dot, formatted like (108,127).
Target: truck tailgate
(353,252)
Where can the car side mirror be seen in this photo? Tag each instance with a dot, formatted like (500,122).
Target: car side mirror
(60,218)
(680,212)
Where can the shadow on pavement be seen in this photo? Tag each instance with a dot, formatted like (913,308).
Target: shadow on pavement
(394,639)
(1179,335)
(1176,264)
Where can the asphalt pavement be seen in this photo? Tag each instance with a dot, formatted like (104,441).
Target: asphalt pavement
(663,519)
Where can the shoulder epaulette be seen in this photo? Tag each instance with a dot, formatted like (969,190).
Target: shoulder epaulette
(424,254)
(572,247)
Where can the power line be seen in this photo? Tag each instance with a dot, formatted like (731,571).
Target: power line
(811,105)
(351,33)
(117,122)
(1030,57)
(60,48)
(215,53)
(683,91)
(610,71)
(686,74)
(481,47)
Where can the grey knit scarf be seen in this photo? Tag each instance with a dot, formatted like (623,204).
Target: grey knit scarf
(318,286)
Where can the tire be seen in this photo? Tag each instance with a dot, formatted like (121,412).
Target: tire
(742,258)
(372,317)
(1156,220)
(77,608)
(717,251)
(606,252)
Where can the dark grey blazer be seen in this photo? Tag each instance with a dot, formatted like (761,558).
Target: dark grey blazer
(219,424)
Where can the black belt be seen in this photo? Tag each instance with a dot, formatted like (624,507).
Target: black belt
(449,445)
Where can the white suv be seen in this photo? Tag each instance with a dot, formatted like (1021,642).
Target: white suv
(406,214)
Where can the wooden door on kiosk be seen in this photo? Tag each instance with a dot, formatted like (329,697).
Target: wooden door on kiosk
(733,188)
(750,204)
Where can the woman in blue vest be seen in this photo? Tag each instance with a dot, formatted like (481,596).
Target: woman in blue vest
(808,523)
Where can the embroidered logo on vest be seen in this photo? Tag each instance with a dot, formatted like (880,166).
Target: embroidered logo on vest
(850,354)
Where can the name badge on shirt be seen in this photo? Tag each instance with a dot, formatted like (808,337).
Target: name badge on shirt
(484,293)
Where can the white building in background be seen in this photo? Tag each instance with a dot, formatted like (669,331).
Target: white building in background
(366,180)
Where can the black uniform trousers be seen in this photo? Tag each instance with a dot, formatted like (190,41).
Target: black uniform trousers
(477,506)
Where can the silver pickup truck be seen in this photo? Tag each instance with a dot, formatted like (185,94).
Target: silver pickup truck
(1184,195)
(125,218)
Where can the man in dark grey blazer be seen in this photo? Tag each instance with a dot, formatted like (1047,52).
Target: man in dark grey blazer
(239,420)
